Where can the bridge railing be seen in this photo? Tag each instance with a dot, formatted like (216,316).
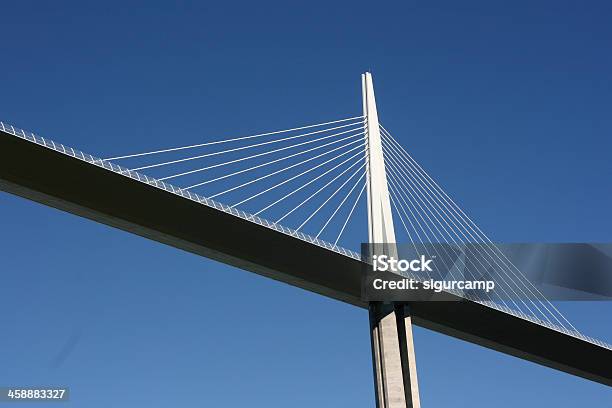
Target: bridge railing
(58,147)
(174,190)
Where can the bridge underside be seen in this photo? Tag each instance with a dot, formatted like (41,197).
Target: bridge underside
(72,185)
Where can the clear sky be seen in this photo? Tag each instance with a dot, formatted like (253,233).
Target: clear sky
(506,103)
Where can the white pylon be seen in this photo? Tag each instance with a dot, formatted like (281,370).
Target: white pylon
(393,353)
(380,219)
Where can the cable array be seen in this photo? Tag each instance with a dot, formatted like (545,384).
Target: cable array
(433,222)
(310,178)
(336,158)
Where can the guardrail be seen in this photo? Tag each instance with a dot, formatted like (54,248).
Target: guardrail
(173,189)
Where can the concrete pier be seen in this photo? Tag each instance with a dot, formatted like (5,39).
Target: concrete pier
(393,356)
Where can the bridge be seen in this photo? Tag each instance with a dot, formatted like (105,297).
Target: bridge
(236,221)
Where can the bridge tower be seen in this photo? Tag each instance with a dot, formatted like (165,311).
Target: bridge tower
(393,356)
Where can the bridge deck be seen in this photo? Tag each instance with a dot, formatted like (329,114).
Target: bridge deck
(66,179)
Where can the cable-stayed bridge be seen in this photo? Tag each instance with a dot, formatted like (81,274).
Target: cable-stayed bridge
(287,204)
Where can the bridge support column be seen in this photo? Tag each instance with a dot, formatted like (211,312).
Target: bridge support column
(395,376)
(393,357)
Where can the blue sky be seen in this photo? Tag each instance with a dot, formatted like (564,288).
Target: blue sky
(506,104)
